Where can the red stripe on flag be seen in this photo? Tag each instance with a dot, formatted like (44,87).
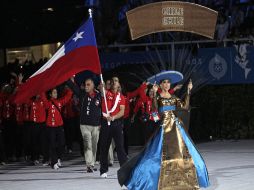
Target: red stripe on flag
(80,59)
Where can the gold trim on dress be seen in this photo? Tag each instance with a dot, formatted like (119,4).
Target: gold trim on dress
(178,171)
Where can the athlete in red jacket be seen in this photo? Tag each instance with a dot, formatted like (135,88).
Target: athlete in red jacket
(54,124)
(71,122)
(27,129)
(8,115)
(19,130)
(37,111)
(38,128)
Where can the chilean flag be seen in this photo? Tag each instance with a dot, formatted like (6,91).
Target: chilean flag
(79,53)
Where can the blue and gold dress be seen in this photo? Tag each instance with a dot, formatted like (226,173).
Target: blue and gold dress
(170,160)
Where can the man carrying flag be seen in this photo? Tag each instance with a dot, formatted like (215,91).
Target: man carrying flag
(112,125)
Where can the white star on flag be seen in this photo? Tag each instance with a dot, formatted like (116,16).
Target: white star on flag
(78,36)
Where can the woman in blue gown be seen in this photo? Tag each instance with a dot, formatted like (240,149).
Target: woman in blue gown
(170,160)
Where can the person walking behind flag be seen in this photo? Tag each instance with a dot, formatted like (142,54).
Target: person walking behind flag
(54,124)
(90,116)
(39,137)
(27,131)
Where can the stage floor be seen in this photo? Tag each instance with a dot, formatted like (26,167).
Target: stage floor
(230,165)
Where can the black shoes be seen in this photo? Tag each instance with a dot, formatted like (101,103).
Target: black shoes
(91,169)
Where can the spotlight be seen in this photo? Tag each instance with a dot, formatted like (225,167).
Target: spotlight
(50,9)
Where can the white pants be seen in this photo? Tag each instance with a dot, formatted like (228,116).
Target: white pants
(90,136)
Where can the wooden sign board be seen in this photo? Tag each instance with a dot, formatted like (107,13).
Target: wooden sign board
(172,16)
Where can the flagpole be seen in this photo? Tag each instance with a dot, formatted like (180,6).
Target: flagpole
(103,87)
(104,95)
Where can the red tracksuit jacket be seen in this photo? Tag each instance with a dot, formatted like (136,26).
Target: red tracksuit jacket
(19,114)
(128,98)
(54,118)
(68,111)
(8,108)
(38,111)
(26,112)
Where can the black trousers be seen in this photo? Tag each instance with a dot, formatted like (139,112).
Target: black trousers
(2,148)
(69,130)
(127,124)
(36,130)
(73,133)
(44,141)
(56,143)
(77,137)
(9,134)
(150,128)
(27,138)
(98,148)
(115,131)
(19,146)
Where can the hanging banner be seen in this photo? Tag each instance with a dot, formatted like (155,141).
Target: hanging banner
(171,16)
(231,65)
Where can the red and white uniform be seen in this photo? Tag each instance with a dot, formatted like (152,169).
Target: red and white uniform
(114,101)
